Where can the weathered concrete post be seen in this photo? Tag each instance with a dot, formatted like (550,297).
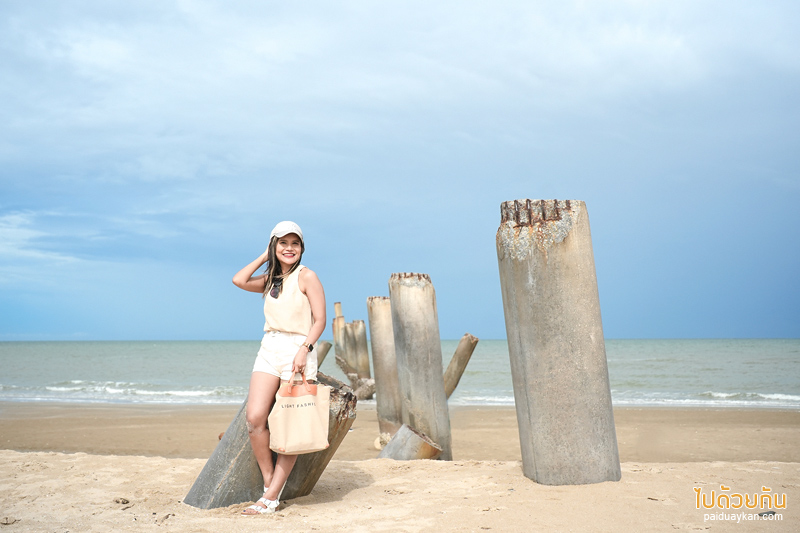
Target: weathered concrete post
(364,387)
(360,349)
(408,445)
(231,474)
(350,345)
(459,362)
(322,348)
(387,388)
(555,342)
(419,357)
(339,341)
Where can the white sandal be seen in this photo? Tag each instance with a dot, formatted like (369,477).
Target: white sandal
(270,506)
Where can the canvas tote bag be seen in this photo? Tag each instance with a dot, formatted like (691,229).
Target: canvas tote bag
(298,422)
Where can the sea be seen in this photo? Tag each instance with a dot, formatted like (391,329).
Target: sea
(711,373)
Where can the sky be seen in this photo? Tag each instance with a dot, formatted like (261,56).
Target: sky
(147,149)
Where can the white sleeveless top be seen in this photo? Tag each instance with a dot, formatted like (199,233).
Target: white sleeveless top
(290,312)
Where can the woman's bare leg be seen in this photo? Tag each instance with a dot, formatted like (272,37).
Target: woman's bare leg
(283,467)
(263,387)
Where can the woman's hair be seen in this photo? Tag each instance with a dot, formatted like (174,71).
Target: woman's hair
(274,276)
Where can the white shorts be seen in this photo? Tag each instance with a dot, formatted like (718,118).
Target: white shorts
(277,352)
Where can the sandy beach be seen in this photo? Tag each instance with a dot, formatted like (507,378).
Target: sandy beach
(95,467)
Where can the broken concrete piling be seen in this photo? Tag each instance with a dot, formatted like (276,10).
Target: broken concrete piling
(555,342)
(322,348)
(339,341)
(459,362)
(408,445)
(350,345)
(360,349)
(418,350)
(387,399)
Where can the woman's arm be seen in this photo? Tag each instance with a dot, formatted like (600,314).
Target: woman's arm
(244,278)
(311,286)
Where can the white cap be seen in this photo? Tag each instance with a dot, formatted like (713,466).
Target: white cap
(285,228)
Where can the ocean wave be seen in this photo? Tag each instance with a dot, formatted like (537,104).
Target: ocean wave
(214,392)
(650,402)
(235,395)
(752,396)
(64,389)
(130,392)
(711,394)
(707,399)
(482,400)
(789,397)
(123,392)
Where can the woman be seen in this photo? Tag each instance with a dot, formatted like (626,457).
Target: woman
(294,312)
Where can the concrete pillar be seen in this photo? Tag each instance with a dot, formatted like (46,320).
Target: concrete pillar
(555,342)
(459,362)
(387,388)
(409,445)
(360,349)
(350,345)
(322,348)
(337,309)
(339,341)
(419,357)
(364,387)
(231,475)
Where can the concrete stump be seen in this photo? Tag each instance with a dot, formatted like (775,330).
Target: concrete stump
(364,387)
(408,445)
(350,345)
(459,362)
(360,349)
(415,324)
(322,348)
(231,475)
(339,341)
(387,388)
(555,343)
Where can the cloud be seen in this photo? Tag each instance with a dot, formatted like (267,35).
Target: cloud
(18,240)
(25,255)
(166,131)
(192,90)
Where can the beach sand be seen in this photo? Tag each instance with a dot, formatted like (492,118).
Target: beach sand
(66,467)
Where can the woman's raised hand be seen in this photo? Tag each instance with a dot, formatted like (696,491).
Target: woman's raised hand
(244,278)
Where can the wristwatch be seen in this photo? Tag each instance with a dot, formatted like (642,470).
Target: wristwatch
(309,346)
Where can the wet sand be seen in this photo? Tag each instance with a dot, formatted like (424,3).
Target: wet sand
(482,434)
